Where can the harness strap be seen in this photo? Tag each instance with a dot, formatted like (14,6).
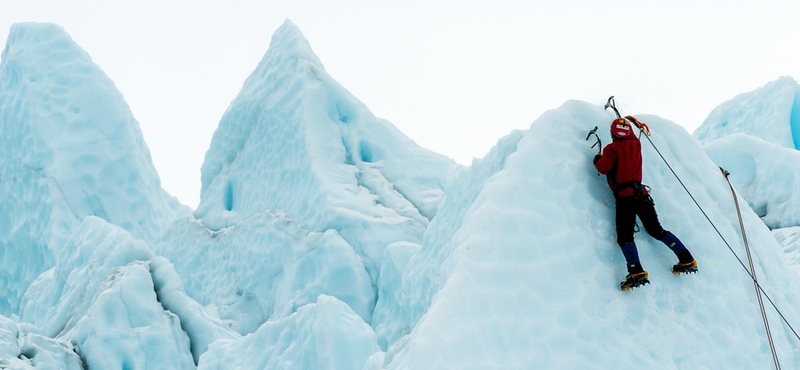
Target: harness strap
(638,188)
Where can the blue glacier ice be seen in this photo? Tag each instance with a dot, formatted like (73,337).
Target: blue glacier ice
(325,334)
(740,136)
(771,112)
(303,189)
(764,173)
(327,239)
(70,149)
(763,165)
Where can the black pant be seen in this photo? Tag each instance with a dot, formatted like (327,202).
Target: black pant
(627,210)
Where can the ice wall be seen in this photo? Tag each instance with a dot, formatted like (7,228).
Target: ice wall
(23,348)
(771,113)
(323,335)
(764,173)
(333,241)
(265,269)
(414,274)
(529,276)
(70,148)
(755,137)
(119,305)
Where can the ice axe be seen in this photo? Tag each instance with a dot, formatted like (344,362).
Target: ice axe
(598,143)
(613,105)
(632,120)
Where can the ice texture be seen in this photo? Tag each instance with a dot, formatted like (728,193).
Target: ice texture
(771,112)
(764,173)
(70,148)
(532,280)
(295,141)
(747,136)
(327,239)
(24,349)
(266,268)
(119,304)
(322,335)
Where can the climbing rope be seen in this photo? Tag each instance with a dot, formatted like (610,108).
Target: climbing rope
(751,271)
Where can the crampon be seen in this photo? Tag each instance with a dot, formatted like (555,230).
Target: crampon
(634,281)
(685,268)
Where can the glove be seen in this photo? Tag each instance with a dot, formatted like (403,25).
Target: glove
(596,158)
(642,127)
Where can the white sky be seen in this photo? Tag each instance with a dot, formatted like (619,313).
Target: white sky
(454,75)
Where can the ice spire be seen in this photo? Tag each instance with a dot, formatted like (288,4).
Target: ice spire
(295,141)
(70,148)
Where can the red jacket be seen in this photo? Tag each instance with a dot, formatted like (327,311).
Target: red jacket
(621,162)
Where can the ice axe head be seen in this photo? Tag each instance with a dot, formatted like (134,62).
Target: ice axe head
(610,102)
(613,105)
(594,130)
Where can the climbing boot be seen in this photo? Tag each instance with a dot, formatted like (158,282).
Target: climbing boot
(634,280)
(685,268)
(686,264)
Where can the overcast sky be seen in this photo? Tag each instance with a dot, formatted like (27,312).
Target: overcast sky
(454,75)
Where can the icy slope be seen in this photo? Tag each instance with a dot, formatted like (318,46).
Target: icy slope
(771,112)
(119,305)
(755,138)
(266,268)
(530,279)
(322,335)
(70,148)
(789,239)
(24,349)
(764,173)
(412,275)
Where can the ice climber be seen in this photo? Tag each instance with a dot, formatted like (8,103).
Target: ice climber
(621,162)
